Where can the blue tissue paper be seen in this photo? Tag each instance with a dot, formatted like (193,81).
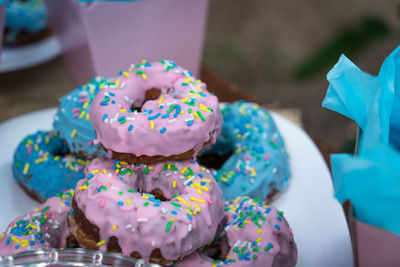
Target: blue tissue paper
(371,179)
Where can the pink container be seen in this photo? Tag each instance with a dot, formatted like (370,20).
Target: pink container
(102,38)
(376,247)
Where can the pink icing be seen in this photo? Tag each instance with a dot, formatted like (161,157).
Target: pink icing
(54,227)
(272,246)
(133,132)
(141,223)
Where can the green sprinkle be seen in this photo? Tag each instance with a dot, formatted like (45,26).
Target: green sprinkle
(18,164)
(170,108)
(121,193)
(266,248)
(273,145)
(201,115)
(146,204)
(280,213)
(176,204)
(45,208)
(104,188)
(168,226)
(139,72)
(255,256)
(255,249)
(124,171)
(243,187)
(87,182)
(174,196)
(146,170)
(131,191)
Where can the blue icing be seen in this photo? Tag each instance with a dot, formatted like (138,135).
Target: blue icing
(259,162)
(73,123)
(25,15)
(42,164)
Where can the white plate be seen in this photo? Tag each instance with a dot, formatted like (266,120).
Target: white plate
(16,58)
(317,219)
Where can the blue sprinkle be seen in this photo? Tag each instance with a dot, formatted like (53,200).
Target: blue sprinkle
(174,212)
(120,203)
(165,116)
(17,246)
(41,241)
(154,117)
(105,117)
(279,218)
(121,118)
(149,111)
(267,210)
(203,183)
(130,128)
(190,123)
(71,212)
(270,245)
(104,103)
(188,215)
(163,129)
(111,93)
(32,243)
(90,176)
(277,227)
(112,101)
(8,240)
(156,205)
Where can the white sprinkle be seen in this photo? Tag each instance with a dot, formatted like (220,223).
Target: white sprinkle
(130,118)
(274,170)
(128,226)
(130,101)
(115,188)
(171,121)
(122,86)
(47,235)
(236,244)
(59,210)
(244,244)
(133,230)
(170,103)
(189,180)
(252,180)
(142,219)
(189,119)
(164,210)
(168,174)
(153,243)
(190,227)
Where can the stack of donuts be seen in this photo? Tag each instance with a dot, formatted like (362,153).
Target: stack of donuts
(144,194)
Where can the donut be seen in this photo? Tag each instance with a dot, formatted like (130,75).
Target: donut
(26,21)
(254,234)
(42,228)
(155,112)
(72,120)
(44,167)
(157,212)
(249,157)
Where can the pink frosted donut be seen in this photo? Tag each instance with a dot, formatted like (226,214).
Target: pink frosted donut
(111,215)
(155,112)
(42,228)
(254,235)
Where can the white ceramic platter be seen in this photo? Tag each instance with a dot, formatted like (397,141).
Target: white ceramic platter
(316,217)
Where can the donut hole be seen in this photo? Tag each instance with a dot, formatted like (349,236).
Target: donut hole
(212,160)
(151,94)
(219,248)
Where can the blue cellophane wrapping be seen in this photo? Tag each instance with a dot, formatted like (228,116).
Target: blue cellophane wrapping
(370,179)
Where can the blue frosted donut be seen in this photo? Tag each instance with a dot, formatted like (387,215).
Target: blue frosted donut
(257,163)
(43,166)
(24,15)
(72,120)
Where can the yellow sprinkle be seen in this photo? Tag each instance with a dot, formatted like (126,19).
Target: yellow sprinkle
(126,74)
(199,191)
(102,242)
(198,207)
(190,93)
(122,110)
(73,133)
(151,125)
(82,114)
(204,188)
(206,180)
(95,171)
(197,200)
(84,187)
(199,88)
(151,168)
(128,202)
(114,227)
(2,236)
(174,184)
(24,243)
(161,100)
(70,166)
(184,201)
(234,229)
(172,219)
(189,211)
(204,108)
(259,231)
(87,116)
(36,147)
(144,61)
(144,76)
(39,160)
(185,99)
(224,180)
(47,139)
(258,239)
(14,239)
(183,170)
(246,221)
(26,168)
(86,104)
(117,83)
(146,197)
(196,115)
